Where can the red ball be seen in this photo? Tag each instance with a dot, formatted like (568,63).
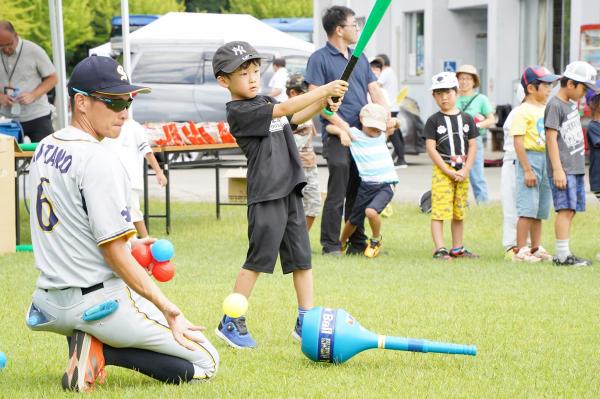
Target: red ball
(142,254)
(163,271)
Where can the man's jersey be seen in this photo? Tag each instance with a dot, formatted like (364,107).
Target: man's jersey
(78,200)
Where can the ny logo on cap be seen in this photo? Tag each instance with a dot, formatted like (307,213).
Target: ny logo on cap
(238,50)
(121,72)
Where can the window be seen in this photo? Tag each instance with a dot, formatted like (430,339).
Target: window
(168,68)
(561,34)
(415,46)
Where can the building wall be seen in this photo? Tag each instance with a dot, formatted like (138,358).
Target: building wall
(583,12)
(451,27)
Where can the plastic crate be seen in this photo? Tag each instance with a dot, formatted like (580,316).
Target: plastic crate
(12,128)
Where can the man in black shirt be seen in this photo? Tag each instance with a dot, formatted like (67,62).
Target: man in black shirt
(276,221)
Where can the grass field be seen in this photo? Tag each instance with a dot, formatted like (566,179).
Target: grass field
(535,326)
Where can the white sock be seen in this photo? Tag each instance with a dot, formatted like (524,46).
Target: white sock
(562,249)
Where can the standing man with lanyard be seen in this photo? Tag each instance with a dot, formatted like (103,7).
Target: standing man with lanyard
(26,75)
(324,66)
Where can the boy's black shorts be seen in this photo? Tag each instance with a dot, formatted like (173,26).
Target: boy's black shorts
(278,227)
(370,195)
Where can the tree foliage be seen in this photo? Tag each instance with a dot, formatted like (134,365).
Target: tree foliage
(214,6)
(86,23)
(272,8)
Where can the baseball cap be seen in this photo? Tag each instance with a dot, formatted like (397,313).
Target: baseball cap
(581,71)
(231,55)
(591,93)
(374,115)
(444,80)
(537,73)
(296,81)
(97,74)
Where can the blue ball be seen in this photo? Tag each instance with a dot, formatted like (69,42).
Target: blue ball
(2,360)
(162,250)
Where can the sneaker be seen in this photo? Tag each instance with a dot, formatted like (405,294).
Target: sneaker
(373,248)
(525,255)
(509,254)
(572,260)
(542,254)
(400,165)
(297,331)
(235,333)
(442,254)
(86,363)
(335,253)
(462,252)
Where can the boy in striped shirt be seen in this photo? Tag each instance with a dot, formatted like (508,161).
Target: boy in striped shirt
(376,169)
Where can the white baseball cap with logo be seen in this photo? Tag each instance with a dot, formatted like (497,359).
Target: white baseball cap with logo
(581,71)
(444,80)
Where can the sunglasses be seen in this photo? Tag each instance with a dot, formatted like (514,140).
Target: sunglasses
(114,104)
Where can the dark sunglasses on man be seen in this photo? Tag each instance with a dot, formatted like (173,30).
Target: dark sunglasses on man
(114,104)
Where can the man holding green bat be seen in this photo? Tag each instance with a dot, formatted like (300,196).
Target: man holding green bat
(324,66)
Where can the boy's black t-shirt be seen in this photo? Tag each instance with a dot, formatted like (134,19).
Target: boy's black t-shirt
(274,168)
(436,128)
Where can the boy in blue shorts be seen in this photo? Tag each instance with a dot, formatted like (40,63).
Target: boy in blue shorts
(533,188)
(376,169)
(276,221)
(566,160)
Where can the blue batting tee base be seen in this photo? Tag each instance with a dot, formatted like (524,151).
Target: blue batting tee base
(334,336)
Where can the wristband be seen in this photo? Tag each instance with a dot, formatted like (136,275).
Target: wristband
(328,112)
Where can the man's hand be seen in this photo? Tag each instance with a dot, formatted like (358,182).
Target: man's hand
(6,100)
(26,98)
(559,178)
(530,179)
(392,123)
(161,179)
(337,88)
(183,331)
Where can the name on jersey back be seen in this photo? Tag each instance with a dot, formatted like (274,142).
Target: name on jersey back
(54,156)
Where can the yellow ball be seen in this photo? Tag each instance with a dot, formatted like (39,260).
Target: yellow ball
(235,305)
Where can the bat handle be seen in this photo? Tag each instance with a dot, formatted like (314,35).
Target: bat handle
(345,76)
(425,346)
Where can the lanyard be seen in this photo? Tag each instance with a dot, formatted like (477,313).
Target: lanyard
(12,72)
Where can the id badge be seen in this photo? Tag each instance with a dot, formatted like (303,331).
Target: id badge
(9,91)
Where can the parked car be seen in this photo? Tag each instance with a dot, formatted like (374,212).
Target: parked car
(184,87)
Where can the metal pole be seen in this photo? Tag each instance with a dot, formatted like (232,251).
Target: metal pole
(58,56)
(125,42)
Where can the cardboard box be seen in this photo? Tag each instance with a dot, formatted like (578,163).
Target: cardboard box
(237,186)
(8,146)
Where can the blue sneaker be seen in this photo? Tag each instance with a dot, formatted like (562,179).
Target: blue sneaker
(297,331)
(235,333)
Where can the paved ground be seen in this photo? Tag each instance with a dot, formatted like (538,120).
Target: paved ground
(199,184)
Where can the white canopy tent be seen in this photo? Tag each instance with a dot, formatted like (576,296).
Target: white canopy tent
(184,29)
(181,29)
(58,54)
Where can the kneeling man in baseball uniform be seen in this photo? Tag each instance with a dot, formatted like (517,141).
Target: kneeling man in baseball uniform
(90,287)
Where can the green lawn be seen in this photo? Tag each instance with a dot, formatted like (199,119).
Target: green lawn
(535,326)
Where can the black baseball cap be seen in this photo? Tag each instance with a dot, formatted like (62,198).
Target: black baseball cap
(231,55)
(103,75)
